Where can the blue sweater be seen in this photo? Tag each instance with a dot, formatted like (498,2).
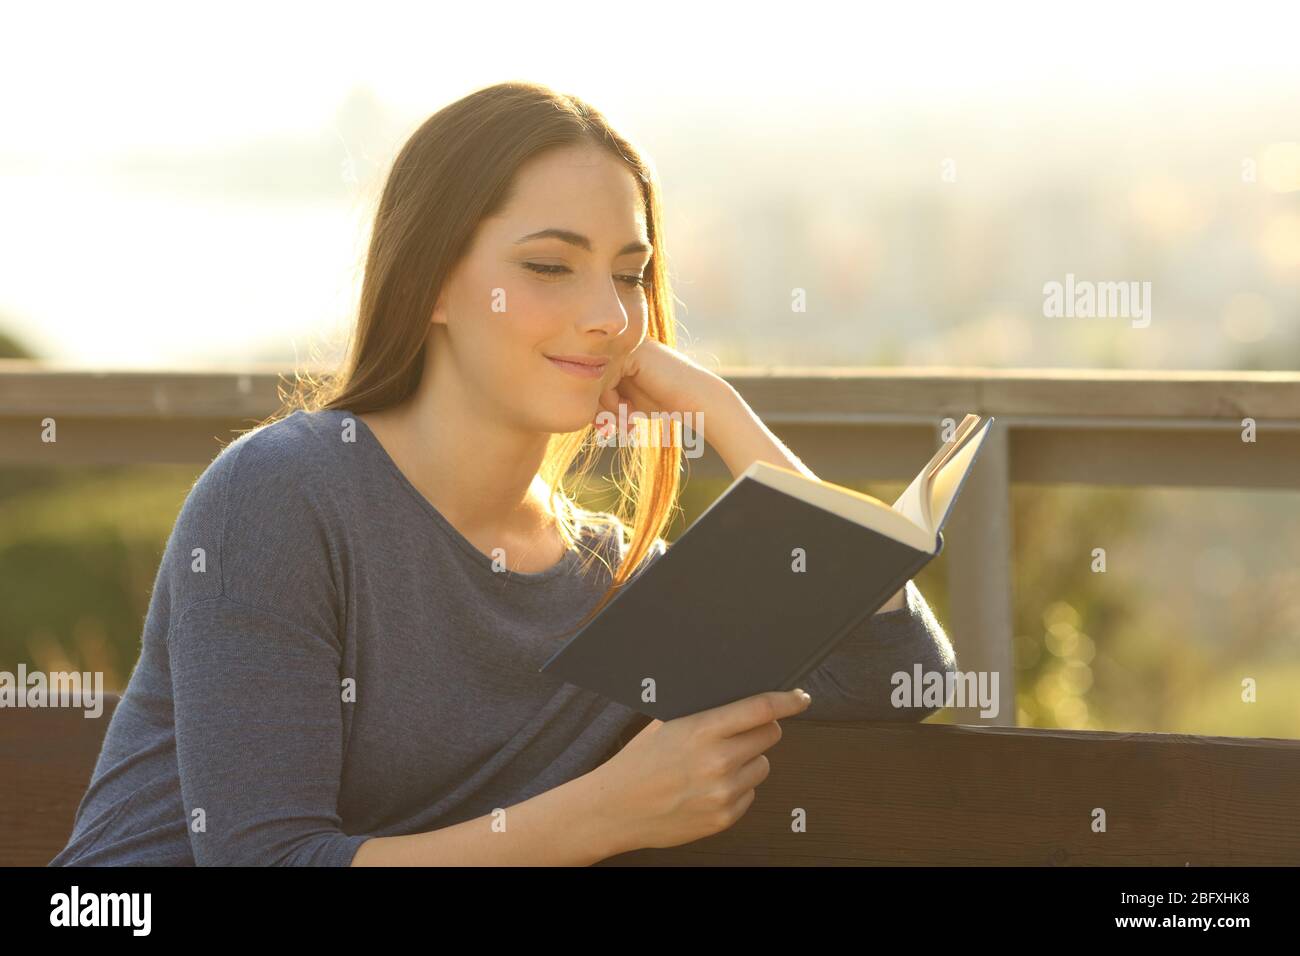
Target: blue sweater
(326,659)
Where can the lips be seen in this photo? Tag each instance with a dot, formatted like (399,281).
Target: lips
(583,366)
(590,360)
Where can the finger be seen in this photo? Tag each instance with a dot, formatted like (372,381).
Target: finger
(749,712)
(607,402)
(744,747)
(741,806)
(635,397)
(753,772)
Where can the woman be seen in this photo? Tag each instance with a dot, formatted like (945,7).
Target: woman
(340,659)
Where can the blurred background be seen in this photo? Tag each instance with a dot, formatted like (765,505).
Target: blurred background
(192,189)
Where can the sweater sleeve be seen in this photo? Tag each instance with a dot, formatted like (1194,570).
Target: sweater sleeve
(258,738)
(255,660)
(855,681)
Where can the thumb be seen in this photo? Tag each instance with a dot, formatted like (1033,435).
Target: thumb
(609,400)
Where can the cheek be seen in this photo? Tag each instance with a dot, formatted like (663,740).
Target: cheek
(512,311)
(516,307)
(533,311)
(510,333)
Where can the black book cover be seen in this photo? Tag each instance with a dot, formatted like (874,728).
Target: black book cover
(723,614)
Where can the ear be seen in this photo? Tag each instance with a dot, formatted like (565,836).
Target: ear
(439,314)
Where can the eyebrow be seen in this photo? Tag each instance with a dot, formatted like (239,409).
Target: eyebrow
(577,239)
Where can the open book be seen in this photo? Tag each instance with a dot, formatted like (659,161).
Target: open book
(763,585)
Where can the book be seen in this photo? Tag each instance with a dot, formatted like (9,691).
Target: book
(763,585)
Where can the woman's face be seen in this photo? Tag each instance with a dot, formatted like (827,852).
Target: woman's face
(556,274)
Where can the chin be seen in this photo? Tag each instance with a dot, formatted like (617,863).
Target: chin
(558,421)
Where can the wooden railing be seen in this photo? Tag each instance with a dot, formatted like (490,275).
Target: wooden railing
(1146,428)
(865,792)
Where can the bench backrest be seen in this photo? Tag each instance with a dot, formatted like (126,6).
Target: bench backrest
(46,757)
(887,793)
(890,793)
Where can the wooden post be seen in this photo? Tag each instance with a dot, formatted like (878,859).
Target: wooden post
(977,546)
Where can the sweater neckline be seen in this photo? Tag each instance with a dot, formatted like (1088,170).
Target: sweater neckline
(477,557)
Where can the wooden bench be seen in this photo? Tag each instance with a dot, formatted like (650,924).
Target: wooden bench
(872,793)
(46,757)
(932,794)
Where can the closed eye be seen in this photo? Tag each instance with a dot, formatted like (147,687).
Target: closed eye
(550,270)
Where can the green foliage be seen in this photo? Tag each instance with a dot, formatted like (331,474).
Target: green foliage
(12,348)
(79,552)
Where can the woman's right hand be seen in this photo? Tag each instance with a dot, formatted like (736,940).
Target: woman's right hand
(685,779)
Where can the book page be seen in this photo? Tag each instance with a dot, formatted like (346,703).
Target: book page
(855,506)
(944,487)
(908,504)
(966,427)
(959,438)
(911,504)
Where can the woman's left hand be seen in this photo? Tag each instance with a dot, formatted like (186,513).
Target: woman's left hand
(656,378)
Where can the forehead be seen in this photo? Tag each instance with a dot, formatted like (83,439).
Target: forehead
(580,188)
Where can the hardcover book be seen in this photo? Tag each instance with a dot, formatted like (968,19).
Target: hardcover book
(763,585)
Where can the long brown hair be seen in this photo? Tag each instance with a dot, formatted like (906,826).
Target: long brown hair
(456,169)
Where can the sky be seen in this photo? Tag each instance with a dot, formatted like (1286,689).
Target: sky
(100,269)
(100,78)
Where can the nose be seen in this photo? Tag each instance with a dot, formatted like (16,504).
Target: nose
(605,312)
